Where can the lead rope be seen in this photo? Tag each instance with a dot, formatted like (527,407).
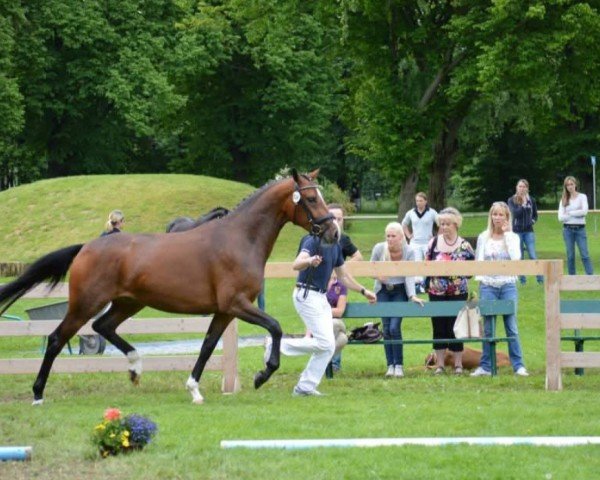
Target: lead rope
(311,272)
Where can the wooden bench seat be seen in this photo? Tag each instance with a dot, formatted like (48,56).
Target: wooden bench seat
(430,309)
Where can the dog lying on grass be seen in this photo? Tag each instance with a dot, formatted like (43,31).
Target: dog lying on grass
(470,359)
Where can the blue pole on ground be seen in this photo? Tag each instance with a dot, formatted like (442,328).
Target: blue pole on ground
(15,453)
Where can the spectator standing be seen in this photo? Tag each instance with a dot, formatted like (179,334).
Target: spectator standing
(95,344)
(418,225)
(498,242)
(448,246)
(350,252)
(355,196)
(394,289)
(572,210)
(524,215)
(114,223)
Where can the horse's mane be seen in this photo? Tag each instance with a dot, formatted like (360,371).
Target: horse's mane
(250,199)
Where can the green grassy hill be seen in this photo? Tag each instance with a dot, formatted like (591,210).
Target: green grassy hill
(43,216)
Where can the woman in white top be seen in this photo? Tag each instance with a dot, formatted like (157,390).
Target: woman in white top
(498,243)
(572,209)
(394,289)
(418,225)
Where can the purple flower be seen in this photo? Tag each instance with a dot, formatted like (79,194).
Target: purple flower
(141,429)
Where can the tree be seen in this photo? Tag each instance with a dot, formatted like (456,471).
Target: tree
(94,84)
(421,71)
(11,100)
(260,88)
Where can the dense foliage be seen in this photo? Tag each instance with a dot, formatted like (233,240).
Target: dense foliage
(411,92)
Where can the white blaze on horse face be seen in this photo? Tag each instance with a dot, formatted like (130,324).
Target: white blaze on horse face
(320,195)
(192,387)
(339,229)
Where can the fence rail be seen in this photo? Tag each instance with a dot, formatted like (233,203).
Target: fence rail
(552,270)
(226,362)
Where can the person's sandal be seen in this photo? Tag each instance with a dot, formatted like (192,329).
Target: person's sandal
(458,370)
(439,371)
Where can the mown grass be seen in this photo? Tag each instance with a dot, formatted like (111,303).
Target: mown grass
(360,403)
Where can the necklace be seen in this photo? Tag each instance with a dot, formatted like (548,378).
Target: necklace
(448,243)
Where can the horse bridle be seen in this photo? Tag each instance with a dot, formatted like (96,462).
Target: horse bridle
(315,223)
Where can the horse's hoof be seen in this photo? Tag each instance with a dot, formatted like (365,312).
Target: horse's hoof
(192,386)
(134,377)
(37,402)
(259,379)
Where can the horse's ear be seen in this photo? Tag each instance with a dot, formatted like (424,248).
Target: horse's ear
(295,174)
(314,174)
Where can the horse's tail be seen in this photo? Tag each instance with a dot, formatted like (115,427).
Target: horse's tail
(52,267)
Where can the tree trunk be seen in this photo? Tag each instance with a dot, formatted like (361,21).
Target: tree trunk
(407,194)
(444,154)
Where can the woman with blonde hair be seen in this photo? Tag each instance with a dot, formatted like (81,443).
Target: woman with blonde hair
(448,246)
(394,289)
(92,344)
(498,242)
(114,223)
(572,210)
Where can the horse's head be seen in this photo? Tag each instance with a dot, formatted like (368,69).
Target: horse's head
(310,209)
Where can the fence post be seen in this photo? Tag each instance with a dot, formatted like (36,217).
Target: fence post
(231,382)
(554,271)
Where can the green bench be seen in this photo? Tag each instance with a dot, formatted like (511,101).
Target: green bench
(580,306)
(430,309)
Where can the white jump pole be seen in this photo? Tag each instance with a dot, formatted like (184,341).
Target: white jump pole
(15,453)
(422,441)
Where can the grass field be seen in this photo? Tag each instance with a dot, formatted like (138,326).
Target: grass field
(359,402)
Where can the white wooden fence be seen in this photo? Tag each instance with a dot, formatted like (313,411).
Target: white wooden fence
(555,282)
(226,362)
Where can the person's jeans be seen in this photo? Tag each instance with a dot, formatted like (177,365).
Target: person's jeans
(508,291)
(527,241)
(577,236)
(392,326)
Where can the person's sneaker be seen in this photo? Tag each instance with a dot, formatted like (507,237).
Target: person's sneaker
(306,393)
(480,372)
(390,371)
(522,372)
(398,371)
(268,346)
(439,371)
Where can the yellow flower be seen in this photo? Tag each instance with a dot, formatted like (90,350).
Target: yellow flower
(125,442)
(126,433)
(112,435)
(100,426)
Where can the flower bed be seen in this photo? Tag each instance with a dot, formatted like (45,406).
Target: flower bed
(122,434)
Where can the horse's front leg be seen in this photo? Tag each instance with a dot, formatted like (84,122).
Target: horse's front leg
(215,331)
(255,316)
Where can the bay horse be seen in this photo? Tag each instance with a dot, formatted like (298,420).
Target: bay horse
(217,267)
